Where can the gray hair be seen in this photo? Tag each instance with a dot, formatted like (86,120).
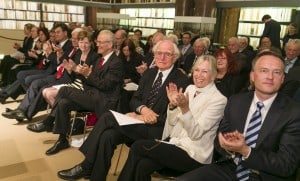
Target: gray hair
(175,48)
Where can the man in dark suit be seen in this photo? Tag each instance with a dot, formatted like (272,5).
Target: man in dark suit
(186,48)
(148,105)
(292,64)
(271,30)
(101,92)
(272,151)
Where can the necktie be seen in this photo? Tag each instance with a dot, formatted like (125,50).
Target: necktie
(72,53)
(41,63)
(251,136)
(100,65)
(154,91)
(59,72)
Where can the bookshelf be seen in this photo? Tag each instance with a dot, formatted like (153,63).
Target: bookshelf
(250,24)
(148,19)
(14,13)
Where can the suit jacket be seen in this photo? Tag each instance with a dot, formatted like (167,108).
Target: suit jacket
(153,131)
(195,131)
(277,152)
(67,48)
(182,57)
(105,83)
(292,80)
(272,30)
(188,63)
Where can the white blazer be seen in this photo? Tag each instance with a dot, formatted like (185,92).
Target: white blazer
(196,130)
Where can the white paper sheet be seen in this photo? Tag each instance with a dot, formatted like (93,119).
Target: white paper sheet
(131,86)
(125,120)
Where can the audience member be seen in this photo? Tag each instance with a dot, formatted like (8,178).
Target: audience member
(291,34)
(243,61)
(149,57)
(73,66)
(292,66)
(259,136)
(149,104)
(227,79)
(120,36)
(192,121)
(185,48)
(271,30)
(101,92)
(30,104)
(139,34)
(200,47)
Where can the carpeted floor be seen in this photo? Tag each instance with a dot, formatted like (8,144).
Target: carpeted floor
(22,153)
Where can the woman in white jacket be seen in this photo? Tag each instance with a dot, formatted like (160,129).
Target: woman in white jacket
(192,121)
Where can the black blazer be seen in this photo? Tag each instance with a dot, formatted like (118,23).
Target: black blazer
(272,30)
(277,152)
(152,131)
(105,84)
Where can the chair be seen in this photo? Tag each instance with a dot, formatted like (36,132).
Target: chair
(80,114)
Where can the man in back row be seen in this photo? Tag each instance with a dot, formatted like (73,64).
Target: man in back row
(259,136)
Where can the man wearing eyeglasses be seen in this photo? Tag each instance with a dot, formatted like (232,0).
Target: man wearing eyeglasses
(101,92)
(148,104)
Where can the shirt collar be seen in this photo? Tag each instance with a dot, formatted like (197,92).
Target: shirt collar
(267,103)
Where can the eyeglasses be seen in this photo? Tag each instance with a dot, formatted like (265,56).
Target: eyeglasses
(101,42)
(160,54)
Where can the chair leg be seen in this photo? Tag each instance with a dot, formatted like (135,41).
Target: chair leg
(117,164)
(72,125)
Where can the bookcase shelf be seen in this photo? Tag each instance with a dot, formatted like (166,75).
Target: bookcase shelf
(250,24)
(14,13)
(149,19)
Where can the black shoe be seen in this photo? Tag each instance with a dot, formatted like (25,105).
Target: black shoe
(39,127)
(74,173)
(14,114)
(58,146)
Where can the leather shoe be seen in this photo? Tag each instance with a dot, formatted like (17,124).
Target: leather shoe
(39,127)
(74,173)
(14,114)
(58,146)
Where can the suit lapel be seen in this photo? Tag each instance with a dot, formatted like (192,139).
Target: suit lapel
(242,111)
(271,118)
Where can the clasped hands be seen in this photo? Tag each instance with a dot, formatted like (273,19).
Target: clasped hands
(234,142)
(177,98)
(147,115)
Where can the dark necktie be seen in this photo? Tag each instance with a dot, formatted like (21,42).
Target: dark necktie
(154,91)
(250,138)
(100,65)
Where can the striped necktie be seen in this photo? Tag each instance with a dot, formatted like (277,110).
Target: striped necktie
(250,138)
(154,91)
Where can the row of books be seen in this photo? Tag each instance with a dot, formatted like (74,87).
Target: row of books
(255,14)
(144,22)
(147,1)
(150,12)
(25,15)
(63,17)
(35,6)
